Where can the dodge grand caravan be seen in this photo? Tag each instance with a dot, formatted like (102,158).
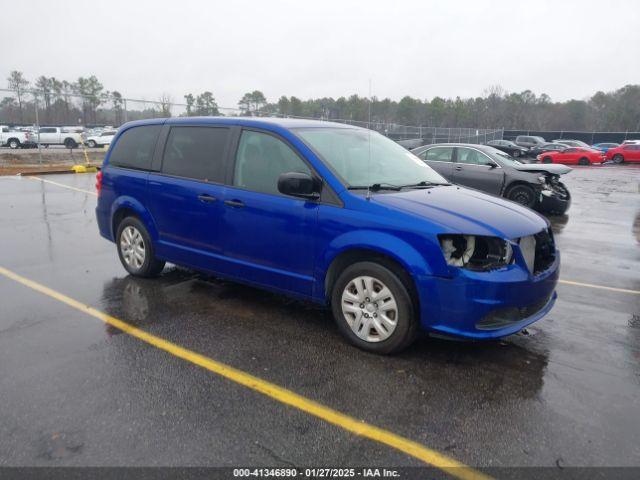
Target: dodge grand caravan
(330,213)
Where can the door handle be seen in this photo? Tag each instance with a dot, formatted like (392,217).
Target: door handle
(234,203)
(206,198)
(458,168)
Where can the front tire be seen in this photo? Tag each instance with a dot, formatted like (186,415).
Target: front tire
(70,143)
(14,143)
(516,153)
(92,144)
(547,160)
(135,249)
(522,194)
(617,158)
(373,308)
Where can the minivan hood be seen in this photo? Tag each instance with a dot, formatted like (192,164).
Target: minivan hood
(552,168)
(461,210)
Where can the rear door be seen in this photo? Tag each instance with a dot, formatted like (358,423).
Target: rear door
(476,170)
(48,135)
(440,159)
(268,236)
(185,195)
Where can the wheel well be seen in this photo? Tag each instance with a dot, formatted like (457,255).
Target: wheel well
(120,215)
(514,184)
(350,257)
(13,138)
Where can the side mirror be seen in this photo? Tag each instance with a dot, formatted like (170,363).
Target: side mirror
(492,165)
(299,185)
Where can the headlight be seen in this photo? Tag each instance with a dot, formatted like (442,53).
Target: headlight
(476,252)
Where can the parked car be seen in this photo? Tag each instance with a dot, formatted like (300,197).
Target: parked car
(572,156)
(630,142)
(529,141)
(624,153)
(547,147)
(15,138)
(509,147)
(495,172)
(47,136)
(604,147)
(331,213)
(100,140)
(572,143)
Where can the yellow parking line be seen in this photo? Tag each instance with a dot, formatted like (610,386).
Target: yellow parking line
(601,287)
(280,394)
(63,185)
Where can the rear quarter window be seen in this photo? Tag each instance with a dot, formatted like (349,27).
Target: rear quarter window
(135,147)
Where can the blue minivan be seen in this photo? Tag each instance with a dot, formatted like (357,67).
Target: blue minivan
(331,213)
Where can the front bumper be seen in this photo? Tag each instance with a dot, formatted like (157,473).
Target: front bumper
(460,306)
(552,201)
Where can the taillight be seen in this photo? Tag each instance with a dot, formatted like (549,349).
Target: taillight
(98,182)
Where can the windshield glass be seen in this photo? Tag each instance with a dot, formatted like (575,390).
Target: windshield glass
(363,157)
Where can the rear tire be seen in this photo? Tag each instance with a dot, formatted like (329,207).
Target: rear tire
(547,160)
(617,158)
(367,289)
(516,153)
(135,249)
(584,161)
(522,194)
(70,143)
(92,144)
(14,143)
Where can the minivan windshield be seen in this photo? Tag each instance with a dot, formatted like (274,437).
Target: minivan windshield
(364,158)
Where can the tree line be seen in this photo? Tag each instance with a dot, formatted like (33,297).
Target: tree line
(86,101)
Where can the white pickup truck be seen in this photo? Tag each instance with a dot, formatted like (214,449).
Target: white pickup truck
(15,138)
(58,136)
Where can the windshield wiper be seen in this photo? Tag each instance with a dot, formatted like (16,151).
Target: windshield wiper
(424,184)
(376,187)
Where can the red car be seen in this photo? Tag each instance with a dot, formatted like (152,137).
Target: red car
(624,153)
(573,156)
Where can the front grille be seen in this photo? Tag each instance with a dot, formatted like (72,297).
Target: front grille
(503,317)
(539,251)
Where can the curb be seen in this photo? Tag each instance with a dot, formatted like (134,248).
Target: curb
(73,169)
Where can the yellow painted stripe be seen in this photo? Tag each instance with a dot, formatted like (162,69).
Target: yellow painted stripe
(601,287)
(63,185)
(280,394)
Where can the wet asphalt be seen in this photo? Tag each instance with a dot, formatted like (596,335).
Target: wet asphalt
(75,392)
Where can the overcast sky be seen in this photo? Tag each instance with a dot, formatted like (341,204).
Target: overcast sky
(316,48)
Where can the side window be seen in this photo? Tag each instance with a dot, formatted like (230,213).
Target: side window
(570,150)
(472,157)
(439,154)
(260,160)
(5,129)
(134,148)
(196,152)
(47,130)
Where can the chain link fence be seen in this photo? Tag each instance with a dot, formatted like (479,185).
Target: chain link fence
(34,108)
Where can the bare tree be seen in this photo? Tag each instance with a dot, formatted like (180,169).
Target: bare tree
(18,83)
